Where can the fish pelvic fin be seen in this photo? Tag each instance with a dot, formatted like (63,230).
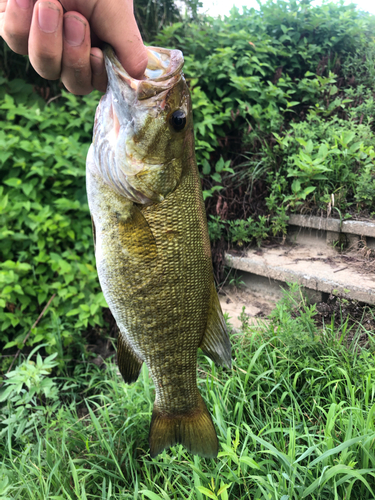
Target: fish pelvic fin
(193,429)
(128,362)
(215,342)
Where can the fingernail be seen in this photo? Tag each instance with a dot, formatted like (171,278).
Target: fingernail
(74,30)
(48,17)
(23,4)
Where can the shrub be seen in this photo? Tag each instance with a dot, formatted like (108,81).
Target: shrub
(46,237)
(265,80)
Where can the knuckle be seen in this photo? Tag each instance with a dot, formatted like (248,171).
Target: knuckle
(139,67)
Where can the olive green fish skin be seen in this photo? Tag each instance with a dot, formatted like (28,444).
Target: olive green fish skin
(157,283)
(154,260)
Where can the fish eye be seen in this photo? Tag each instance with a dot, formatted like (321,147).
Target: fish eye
(178,120)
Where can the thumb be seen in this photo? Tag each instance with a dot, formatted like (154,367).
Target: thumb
(113,22)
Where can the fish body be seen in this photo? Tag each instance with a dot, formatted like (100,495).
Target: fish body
(152,247)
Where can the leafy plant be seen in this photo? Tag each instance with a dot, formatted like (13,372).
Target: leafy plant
(26,388)
(276,87)
(45,227)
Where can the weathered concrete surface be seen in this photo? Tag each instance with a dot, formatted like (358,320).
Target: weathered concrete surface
(315,222)
(362,228)
(307,265)
(308,236)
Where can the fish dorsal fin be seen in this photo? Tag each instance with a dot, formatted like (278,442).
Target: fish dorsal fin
(128,362)
(215,343)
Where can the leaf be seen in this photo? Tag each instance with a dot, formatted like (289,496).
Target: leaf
(336,450)
(73,312)
(206,167)
(292,103)
(207,492)
(323,151)
(4,394)
(154,496)
(328,474)
(220,165)
(333,90)
(347,137)
(13,182)
(307,191)
(27,188)
(250,462)
(296,186)
(216,177)
(354,147)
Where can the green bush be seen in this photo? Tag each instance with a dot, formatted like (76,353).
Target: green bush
(46,238)
(265,80)
(324,158)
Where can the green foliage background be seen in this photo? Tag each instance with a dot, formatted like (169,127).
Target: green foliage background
(283,107)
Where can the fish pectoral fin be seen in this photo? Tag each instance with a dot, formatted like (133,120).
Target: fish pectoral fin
(193,429)
(215,343)
(136,236)
(129,362)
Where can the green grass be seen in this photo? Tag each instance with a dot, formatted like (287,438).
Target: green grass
(295,420)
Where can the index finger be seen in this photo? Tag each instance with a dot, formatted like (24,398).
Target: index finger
(15,21)
(113,22)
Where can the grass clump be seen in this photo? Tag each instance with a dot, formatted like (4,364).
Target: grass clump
(295,419)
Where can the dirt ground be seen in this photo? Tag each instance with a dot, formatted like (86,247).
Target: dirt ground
(257,306)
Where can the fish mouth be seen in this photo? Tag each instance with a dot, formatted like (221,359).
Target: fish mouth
(163,71)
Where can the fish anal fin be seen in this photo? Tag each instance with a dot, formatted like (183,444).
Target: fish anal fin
(193,429)
(128,362)
(215,342)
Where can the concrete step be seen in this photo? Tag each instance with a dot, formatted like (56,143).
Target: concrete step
(310,257)
(361,228)
(327,231)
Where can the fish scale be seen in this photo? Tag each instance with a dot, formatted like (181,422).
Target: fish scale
(153,256)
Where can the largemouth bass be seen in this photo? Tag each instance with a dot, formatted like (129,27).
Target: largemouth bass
(151,244)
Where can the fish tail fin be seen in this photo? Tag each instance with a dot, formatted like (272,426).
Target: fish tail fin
(193,429)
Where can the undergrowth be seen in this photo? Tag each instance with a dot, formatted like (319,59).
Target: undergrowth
(295,419)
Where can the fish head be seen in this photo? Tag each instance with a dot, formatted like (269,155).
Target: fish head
(145,124)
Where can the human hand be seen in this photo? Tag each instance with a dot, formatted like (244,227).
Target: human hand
(58,38)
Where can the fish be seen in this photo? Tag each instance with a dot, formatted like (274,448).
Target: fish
(152,247)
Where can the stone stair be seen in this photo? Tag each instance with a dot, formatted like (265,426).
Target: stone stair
(323,255)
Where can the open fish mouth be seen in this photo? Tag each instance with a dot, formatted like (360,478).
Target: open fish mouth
(163,71)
